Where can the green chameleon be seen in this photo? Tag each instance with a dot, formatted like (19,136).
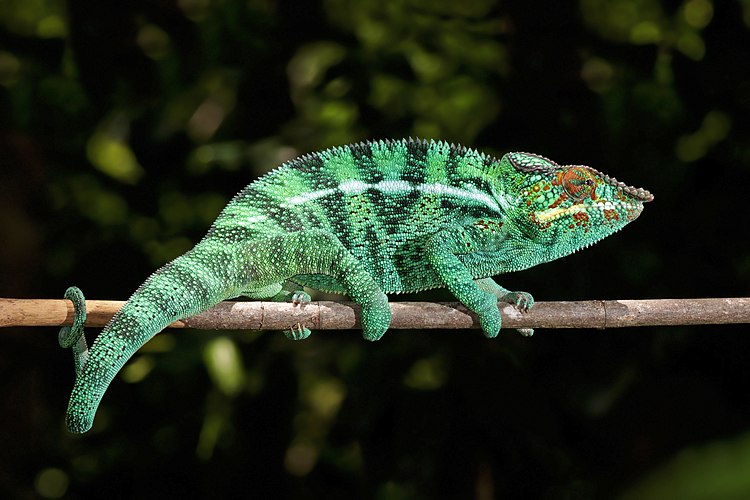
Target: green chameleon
(364,220)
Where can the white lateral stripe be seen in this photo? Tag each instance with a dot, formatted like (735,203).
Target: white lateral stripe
(248,221)
(393,187)
(311,196)
(254,219)
(354,187)
(464,194)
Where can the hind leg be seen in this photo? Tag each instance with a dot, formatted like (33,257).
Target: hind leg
(278,258)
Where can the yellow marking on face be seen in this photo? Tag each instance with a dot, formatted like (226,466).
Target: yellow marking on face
(554,213)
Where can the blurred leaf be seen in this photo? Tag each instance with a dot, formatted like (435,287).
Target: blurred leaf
(692,147)
(113,157)
(716,470)
(635,21)
(10,67)
(137,370)
(300,458)
(427,374)
(51,483)
(43,18)
(224,365)
(698,13)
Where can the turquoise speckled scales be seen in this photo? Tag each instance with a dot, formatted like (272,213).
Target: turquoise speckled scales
(366,220)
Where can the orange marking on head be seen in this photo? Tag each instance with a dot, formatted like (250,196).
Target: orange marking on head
(581,218)
(611,215)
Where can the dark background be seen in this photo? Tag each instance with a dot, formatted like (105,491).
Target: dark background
(126,126)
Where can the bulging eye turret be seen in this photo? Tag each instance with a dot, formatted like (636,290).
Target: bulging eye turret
(579,183)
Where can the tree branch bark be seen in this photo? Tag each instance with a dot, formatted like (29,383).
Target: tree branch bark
(325,315)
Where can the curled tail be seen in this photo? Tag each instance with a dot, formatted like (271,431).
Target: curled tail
(188,285)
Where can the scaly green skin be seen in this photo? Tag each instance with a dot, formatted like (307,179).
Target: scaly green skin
(365,220)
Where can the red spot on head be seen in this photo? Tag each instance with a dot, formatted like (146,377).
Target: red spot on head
(581,218)
(611,215)
(488,225)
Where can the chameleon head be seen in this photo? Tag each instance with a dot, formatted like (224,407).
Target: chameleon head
(570,207)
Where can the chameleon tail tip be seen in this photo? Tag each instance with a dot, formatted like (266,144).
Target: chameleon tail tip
(79,424)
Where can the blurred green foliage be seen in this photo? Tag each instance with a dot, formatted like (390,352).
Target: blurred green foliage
(126,126)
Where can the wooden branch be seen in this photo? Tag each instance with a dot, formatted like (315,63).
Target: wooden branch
(326,315)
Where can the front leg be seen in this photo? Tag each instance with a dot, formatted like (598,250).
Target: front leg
(441,250)
(522,300)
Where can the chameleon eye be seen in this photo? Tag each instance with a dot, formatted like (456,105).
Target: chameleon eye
(578,183)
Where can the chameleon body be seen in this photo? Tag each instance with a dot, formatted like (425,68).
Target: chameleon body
(365,220)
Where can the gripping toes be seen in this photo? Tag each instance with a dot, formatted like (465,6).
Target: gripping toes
(297,332)
(522,300)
